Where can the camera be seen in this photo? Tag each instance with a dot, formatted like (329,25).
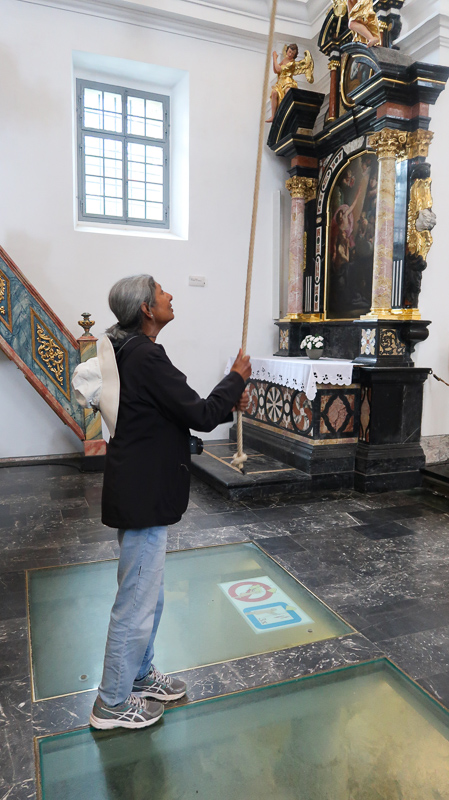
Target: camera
(196,445)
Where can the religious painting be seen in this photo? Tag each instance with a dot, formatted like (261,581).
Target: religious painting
(350,240)
(357,71)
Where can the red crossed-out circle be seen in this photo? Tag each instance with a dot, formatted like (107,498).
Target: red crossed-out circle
(244,598)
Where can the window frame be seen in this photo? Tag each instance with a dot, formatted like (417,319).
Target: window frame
(125,138)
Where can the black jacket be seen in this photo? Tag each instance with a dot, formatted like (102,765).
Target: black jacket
(147,471)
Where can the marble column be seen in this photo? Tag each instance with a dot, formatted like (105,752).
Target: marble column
(301,190)
(334,97)
(388,144)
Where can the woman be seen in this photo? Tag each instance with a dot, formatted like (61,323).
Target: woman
(285,70)
(146,488)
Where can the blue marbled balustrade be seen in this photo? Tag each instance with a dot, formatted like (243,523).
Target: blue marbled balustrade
(27,315)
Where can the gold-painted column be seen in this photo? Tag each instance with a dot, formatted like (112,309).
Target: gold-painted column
(94,444)
(388,144)
(334,67)
(302,190)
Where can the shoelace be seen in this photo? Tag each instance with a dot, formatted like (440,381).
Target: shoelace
(134,700)
(160,677)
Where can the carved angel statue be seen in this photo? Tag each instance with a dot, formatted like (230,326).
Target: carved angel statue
(362,20)
(285,70)
(421,218)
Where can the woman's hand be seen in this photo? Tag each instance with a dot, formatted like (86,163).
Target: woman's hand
(242,365)
(242,404)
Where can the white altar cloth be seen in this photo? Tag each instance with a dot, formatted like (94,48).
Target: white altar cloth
(300,373)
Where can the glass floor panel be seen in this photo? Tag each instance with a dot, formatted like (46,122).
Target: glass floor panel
(363,733)
(221,603)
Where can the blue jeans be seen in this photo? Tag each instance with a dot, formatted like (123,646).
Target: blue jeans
(136,611)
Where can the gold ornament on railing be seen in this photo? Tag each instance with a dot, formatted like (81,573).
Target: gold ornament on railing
(86,323)
(2,295)
(421,218)
(51,354)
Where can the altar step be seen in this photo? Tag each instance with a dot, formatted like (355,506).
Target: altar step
(264,476)
(436,477)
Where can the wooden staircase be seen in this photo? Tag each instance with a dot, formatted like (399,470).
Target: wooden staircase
(35,339)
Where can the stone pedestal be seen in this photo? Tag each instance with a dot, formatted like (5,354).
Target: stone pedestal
(389,454)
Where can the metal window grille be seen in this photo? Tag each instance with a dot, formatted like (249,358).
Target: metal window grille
(123,155)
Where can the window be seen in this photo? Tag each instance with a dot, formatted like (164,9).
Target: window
(123,155)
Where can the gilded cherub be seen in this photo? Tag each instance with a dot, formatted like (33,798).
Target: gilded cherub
(362,20)
(285,70)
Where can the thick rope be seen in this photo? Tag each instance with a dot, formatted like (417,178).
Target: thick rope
(439,379)
(240,457)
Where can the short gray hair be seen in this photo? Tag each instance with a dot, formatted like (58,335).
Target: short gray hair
(125,299)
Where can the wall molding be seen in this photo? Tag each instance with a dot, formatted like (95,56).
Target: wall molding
(236,23)
(426,38)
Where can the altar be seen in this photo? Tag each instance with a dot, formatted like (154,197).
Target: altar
(297,405)
(361,215)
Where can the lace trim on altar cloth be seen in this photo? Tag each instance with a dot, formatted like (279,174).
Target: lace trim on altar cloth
(300,374)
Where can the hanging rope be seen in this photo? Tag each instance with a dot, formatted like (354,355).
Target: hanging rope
(240,457)
(438,379)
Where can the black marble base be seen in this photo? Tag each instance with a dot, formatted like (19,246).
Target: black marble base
(379,468)
(387,343)
(323,460)
(263,475)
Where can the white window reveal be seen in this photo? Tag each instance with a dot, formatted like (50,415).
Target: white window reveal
(123,163)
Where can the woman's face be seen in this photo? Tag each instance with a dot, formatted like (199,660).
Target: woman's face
(162,309)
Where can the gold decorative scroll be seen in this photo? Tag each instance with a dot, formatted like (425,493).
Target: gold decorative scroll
(388,143)
(5,301)
(51,354)
(302,188)
(419,242)
(334,64)
(2,295)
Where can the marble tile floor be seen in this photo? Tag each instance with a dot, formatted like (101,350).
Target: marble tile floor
(380,561)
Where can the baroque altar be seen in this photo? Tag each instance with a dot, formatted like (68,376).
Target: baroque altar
(360,234)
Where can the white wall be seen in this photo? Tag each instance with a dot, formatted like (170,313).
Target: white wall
(74,269)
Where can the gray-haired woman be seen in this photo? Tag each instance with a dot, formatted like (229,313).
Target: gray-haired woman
(146,488)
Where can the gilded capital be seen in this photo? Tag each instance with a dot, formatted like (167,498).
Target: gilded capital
(418,144)
(302,187)
(334,64)
(388,143)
